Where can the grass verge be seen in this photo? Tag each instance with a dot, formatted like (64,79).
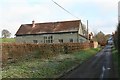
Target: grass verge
(46,68)
(116,59)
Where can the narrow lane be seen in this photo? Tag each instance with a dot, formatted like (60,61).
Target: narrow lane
(100,66)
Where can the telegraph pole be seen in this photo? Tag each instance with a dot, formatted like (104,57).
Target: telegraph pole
(87,31)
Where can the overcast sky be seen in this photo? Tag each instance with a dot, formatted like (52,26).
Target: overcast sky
(101,14)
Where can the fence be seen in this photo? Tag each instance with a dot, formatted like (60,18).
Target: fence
(16,51)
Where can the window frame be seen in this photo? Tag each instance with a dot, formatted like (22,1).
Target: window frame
(35,41)
(71,40)
(48,39)
(60,40)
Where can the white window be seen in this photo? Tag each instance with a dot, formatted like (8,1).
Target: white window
(48,39)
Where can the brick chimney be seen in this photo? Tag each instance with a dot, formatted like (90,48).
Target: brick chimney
(33,24)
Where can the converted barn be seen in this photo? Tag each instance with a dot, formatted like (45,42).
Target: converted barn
(52,32)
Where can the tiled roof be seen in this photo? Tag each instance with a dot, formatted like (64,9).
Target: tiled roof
(49,27)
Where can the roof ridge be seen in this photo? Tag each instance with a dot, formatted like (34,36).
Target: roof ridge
(53,22)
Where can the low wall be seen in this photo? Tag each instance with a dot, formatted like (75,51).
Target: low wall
(16,51)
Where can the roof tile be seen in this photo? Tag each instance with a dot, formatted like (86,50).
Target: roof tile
(49,27)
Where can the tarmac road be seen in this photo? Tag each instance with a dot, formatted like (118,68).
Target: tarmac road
(100,67)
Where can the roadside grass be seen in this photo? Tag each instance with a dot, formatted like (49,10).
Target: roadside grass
(47,68)
(116,58)
(7,40)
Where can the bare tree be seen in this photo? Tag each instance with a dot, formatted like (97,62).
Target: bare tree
(5,33)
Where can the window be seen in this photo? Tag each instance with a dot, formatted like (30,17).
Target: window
(48,39)
(61,40)
(45,38)
(71,40)
(81,40)
(35,41)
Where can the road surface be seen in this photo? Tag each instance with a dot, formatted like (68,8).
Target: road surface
(100,67)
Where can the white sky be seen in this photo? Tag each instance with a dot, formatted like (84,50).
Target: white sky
(101,14)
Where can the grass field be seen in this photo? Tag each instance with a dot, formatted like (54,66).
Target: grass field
(7,40)
(47,68)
